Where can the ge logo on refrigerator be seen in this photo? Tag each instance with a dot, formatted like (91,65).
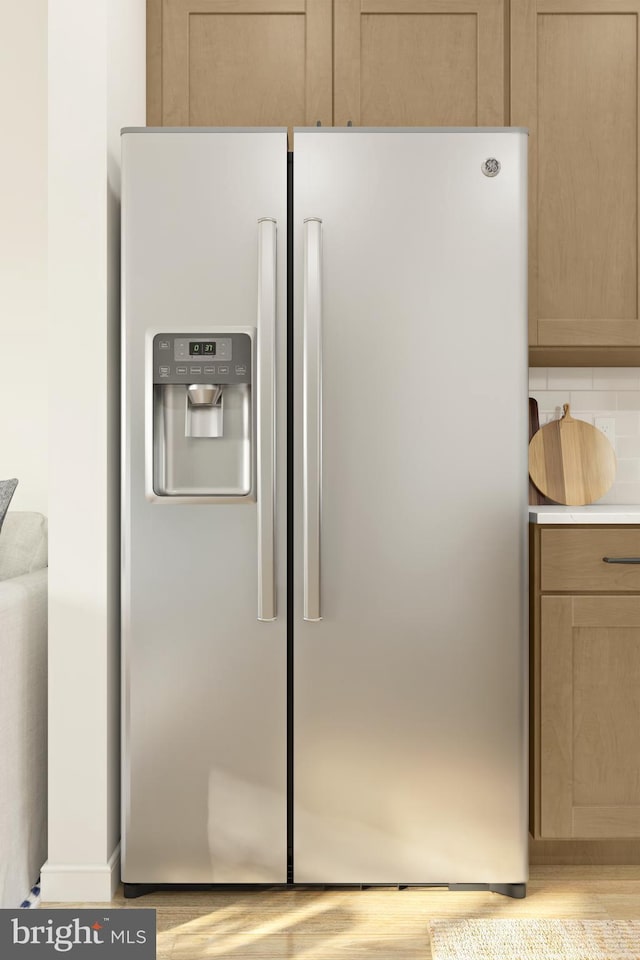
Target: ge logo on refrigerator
(491,167)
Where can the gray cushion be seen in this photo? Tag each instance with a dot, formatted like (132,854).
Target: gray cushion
(7,489)
(23,544)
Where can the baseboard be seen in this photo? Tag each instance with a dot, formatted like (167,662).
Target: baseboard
(568,852)
(81,882)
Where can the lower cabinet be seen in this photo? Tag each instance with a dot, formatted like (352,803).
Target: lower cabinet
(590,716)
(585,695)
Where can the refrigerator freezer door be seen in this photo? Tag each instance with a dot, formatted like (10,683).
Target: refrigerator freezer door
(410,751)
(204,681)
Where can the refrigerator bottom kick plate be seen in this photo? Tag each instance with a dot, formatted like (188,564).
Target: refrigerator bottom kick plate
(134,890)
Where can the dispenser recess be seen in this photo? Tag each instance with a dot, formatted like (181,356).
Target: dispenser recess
(203,433)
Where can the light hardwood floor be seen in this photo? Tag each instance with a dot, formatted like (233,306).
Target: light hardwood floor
(375,924)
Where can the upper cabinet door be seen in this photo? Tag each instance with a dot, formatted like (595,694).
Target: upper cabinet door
(574,84)
(239,62)
(419,62)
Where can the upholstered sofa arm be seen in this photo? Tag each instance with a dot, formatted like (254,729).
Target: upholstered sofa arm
(23,733)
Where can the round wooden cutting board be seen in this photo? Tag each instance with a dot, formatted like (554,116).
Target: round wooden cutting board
(571,462)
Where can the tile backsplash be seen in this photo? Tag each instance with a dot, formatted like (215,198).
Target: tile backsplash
(613,393)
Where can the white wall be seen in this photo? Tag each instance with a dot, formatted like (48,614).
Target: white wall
(23,250)
(96,86)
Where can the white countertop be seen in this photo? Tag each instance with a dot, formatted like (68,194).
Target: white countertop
(594,513)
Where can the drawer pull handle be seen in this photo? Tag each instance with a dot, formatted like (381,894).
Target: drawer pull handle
(621,559)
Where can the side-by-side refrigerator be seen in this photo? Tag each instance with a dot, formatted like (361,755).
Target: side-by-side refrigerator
(324,506)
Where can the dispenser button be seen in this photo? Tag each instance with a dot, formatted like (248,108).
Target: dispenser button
(223,369)
(165,371)
(195,369)
(209,369)
(241,369)
(181,371)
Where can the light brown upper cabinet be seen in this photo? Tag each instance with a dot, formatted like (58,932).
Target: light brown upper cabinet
(239,62)
(419,62)
(574,84)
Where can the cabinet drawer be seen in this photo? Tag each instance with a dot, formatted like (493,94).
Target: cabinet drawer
(573,559)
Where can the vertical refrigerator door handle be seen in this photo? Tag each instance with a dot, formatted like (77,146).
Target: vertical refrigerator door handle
(266,418)
(312,417)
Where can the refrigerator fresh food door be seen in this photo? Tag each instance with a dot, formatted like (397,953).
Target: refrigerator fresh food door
(410,506)
(204,216)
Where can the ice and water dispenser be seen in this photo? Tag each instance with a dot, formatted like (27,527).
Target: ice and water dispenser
(202,415)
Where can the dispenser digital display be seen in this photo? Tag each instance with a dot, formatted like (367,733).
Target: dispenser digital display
(202,348)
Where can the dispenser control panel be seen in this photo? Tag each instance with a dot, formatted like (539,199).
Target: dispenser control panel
(202,358)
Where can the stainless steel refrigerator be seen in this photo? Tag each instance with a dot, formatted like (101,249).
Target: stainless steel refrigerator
(324,424)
